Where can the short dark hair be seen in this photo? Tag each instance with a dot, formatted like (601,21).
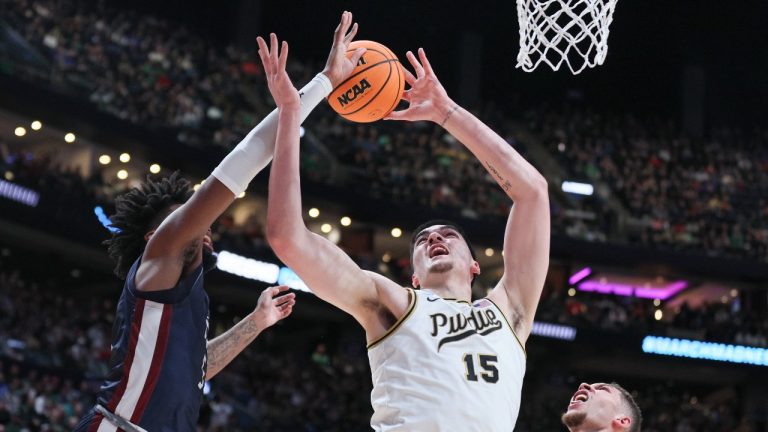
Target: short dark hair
(140,210)
(634,409)
(445,222)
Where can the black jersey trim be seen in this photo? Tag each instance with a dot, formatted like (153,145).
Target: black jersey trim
(406,315)
(525,353)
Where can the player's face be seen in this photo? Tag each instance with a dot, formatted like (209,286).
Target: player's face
(593,405)
(440,249)
(204,246)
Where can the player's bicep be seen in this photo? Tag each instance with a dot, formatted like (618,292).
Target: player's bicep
(526,255)
(332,275)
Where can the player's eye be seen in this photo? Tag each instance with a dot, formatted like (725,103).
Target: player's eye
(420,240)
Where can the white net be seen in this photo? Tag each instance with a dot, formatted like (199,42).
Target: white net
(557,31)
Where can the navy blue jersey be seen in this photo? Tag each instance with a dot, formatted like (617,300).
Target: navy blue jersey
(158,363)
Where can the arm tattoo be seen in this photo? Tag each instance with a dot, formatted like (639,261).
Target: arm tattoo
(226,347)
(449,114)
(504,183)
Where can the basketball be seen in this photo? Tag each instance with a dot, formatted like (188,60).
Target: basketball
(374,88)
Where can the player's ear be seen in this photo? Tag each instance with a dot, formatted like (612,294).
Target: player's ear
(415,281)
(622,422)
(148,235)
(475,269)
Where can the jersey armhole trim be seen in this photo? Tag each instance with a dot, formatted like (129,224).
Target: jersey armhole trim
(396,325)
(525,353)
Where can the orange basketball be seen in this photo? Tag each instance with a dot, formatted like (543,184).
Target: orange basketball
(374,88)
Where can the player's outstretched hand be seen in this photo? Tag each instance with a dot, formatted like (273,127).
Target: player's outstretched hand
(283,92)
(427,99)
(273,307)
(338,66)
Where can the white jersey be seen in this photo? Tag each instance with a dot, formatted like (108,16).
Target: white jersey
(447,366)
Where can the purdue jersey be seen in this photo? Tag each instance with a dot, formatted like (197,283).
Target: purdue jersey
(447,366)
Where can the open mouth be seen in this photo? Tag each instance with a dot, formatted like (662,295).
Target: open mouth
(437,250)
(580,396)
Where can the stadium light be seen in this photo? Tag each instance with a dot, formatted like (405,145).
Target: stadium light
(489,252)
(554,331)
(105,159)
(705,350)
(580,275)
(122,174)
(20,131)
(578,188)
(628,290)
(396,232)
(70,137)
(104,220)
(314,212)
(346,221)
(326,228)
(247,267)
(154,168)
(20,194)
(125,157)
(36,125)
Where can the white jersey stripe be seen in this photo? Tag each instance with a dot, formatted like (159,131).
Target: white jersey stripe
(142,359)
(106,426)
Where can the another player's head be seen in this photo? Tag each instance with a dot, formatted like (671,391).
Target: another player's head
(440,248)
(138,214)
(601,406)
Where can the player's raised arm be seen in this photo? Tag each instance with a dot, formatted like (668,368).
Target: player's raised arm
(325,268)
(173,248)
(526,240)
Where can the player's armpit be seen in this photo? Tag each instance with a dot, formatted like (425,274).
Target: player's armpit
(526,261)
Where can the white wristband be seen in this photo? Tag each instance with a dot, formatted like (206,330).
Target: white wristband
(255,151)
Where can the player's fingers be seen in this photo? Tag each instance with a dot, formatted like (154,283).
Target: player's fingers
(356,55)
(425,62)
(406,96)
(415,63)
(346,20)
(263,54)
(285,298)
(273,50)
(285,312)
(338,34)
(283,56)
(351,35)
(279,288)
(287,304)
(409,78)
(398,115)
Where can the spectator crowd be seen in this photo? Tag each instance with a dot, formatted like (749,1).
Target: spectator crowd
(705,195)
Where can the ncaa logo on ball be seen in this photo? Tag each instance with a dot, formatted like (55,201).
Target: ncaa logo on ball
(353,92)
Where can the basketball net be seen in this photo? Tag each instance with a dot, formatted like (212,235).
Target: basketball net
(557,31)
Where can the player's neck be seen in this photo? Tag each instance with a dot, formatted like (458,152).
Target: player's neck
(448,287)
(590,428)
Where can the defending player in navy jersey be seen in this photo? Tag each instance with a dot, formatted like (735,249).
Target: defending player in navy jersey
(438,361)
(160,353)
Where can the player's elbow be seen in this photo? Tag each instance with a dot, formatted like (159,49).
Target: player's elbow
(283,240)
(538,188)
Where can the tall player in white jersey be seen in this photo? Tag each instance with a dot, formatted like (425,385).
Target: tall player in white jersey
(439,362)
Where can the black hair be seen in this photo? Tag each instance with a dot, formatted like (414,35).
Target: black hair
(634,410)
(140,210)
(448,223)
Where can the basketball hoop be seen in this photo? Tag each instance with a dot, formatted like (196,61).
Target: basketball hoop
(557,31)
